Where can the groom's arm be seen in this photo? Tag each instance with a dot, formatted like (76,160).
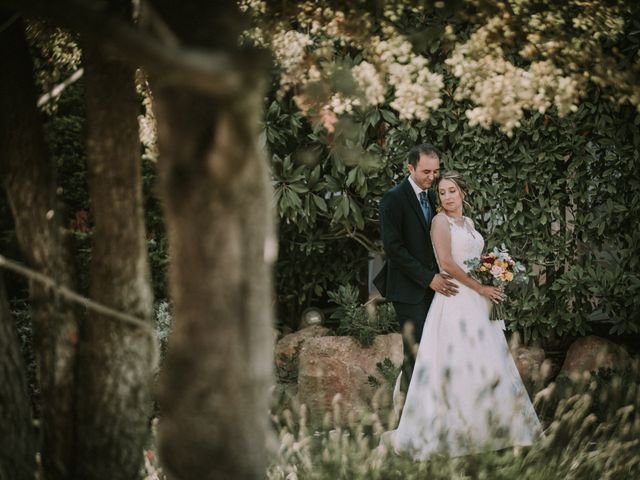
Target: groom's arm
(394,245)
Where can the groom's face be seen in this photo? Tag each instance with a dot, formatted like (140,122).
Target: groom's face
(425,171)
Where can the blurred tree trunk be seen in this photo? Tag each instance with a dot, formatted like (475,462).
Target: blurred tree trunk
(115,360)
(17,439)
(29,179)
(217,199)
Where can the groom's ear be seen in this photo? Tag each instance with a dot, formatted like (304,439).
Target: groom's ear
(410,168)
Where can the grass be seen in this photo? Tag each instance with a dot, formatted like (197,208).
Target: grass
(591,431)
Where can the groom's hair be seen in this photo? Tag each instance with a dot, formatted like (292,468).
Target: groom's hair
(422,149)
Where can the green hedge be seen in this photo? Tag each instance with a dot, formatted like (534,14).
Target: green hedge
(563,194)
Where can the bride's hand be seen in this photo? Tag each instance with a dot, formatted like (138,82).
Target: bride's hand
(494,294)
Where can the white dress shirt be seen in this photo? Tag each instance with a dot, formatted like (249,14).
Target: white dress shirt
(416,188)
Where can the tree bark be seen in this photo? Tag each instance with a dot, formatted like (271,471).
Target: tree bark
(115,360)
(29,179)
(17,439)
(217,199)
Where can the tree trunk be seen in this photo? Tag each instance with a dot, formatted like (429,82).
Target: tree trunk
(217,199)
(17,439)
(115,360)
(29,179)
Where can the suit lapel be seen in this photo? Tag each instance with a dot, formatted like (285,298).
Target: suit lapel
(413,201)
(432,201)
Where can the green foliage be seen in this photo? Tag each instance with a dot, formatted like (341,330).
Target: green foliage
(309,266)
(157,242)
(20,311)
(326,199)
(387,370)
(562,194)
(363,322)
(562,197)
(163,324)
(55,54)
(64,133)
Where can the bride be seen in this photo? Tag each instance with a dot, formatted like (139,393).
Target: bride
(465,395)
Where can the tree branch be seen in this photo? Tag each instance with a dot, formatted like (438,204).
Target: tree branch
(58,89)
(89,304)
(213,73)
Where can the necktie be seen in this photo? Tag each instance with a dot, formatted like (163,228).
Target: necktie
(426,208)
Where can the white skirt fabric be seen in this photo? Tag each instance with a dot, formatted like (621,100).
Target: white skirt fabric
(466,395)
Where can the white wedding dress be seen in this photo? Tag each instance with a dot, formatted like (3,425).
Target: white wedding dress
(466,395)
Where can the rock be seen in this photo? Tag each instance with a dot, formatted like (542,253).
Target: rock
(592,353)
(334,372)
(286,346)
(529,361)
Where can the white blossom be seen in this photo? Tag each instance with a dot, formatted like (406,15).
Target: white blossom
(290,51)
(370,81)
(501,90)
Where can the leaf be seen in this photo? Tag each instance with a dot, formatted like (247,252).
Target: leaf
(389,117)
(357,215)
(319,202)
(314,176)
(351,177)
(298,187)
(344,206)
(374,118)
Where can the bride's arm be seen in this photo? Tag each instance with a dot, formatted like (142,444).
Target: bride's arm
(441,238)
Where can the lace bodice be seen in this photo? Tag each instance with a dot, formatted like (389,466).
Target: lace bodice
(466,242)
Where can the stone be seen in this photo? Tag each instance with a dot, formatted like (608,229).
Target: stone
(333,376)
(592,353)
(535,370)
(529,361)
(287,345)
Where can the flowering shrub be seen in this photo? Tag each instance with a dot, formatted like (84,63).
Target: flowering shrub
(551,171)
(520,56)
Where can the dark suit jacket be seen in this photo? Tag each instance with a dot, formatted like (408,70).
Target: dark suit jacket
(410,263)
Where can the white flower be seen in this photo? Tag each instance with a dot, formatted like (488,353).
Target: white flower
(340,104)
(370,81)
(290,51)
(417,90)
(496,271)
(502,91)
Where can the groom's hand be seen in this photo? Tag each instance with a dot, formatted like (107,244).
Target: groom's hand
(442,284)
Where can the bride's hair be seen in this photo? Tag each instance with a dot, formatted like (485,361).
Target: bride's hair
(459,182)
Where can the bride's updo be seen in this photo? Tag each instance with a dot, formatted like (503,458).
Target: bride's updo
(458,180)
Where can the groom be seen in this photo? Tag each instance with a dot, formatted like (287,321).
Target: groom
(409,278)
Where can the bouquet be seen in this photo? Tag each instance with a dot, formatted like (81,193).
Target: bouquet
(498,269)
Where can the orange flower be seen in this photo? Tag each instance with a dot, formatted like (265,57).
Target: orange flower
(508,276)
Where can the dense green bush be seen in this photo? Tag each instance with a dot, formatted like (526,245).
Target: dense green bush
(563,196)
